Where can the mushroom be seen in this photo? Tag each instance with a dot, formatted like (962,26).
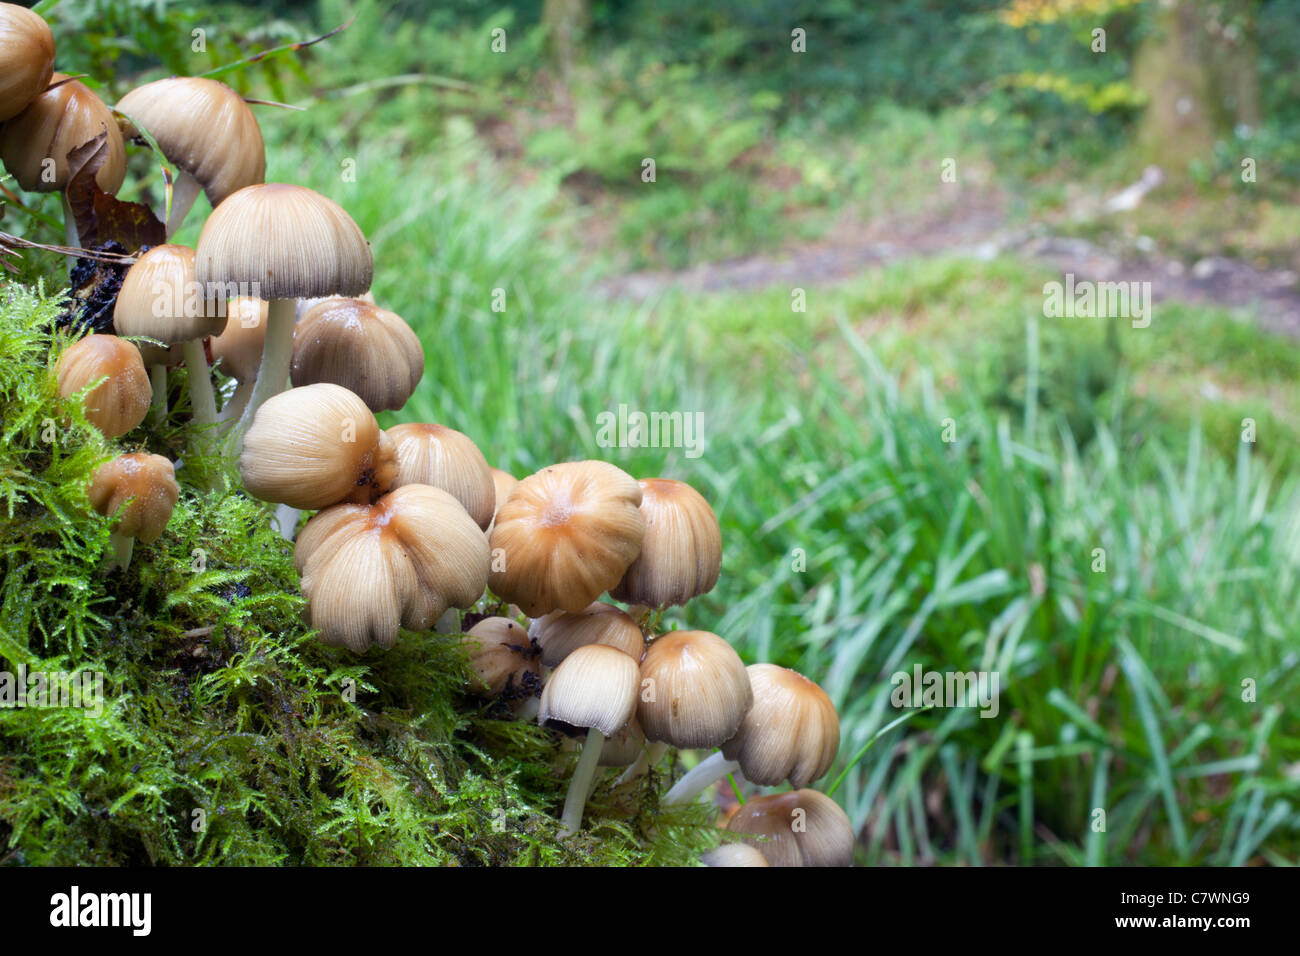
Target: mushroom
(118,404)
(368,570)
(682,551)
(360,346)
(504,483)
(796,828)
(445,458)
(694,690)
(280,243)
(503,659)
(316,446)
(207,130)
(238,349)
(35,144)
(27,52)
(594,690)
(566,535)
(790,733)
(734,854)
(146,485)
(560,633)
(161,299)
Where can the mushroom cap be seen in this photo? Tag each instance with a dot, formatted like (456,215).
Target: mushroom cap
(239,346)
(146,484)
(567,534)
(306,305)
(682,551)
(504,483)
(560,633)
(360,346)
(623,748)
(116,405)
(27,52)
(161,298)
(368,570)
(796,828)
(734,854)
(790,733)
(502,657)
(278,241)
(594,687)
(53,125)
(445,458)
(205,128)
(316,446)
(695,690)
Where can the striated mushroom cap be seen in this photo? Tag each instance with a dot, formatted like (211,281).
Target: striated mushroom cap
(161,298)
(205,128)
(796,828)
(682,551)
(118,404)
(695,690)
(566,535)
(503,658)
(360,346)
(790,733)
(53,125)
(368,570)
(595,687)
(316,446)
(146,484)
(27,52)
(560,633)
(239,346)
(443,457)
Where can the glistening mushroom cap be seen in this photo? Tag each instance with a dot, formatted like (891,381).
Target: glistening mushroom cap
(695,690)
(796,828)
(161,298)
(146,484)
(360,346)
(55,123)
(205,128)
(560,633)
(316,446)
(790,733)
(278,241)
(27,52)
(682,551)
(368,570)
(119,403)
(445,458)
(503,658)
(567,535)
(595,687)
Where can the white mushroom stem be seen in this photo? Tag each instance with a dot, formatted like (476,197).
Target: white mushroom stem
(575,801)
(71,236)
(202,399)
(158,379)
(706,773)
(648,757)
(287,519)
(120,547)
(277,353)
(185,190)
(238,401)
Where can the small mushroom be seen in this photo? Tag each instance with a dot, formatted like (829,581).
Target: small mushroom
(369,570)
(360,346)
(443,457)
(238,349)
(695,690)
(566,535)
(560,633)
(146,486)
(119,403)
(317,446)
(734,854)
(682,551)
(796,828)
(27,52)
(503,659)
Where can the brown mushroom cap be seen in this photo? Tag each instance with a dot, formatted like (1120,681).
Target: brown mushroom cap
(118,404)
(560,633)
(239,347)
(146,484)
(445,458)
(316,446)
(694,690)
(595,687)
(278,241)
(161,298)
(368,570)
(791,732)
(682,551)
(504,483)
(623,748)
(360,346)
(55,123)
(566,535)
(503,658)
(27,52)
(734,854)
(796,828)
(205,128)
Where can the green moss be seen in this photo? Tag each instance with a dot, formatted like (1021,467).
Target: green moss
(228,734)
